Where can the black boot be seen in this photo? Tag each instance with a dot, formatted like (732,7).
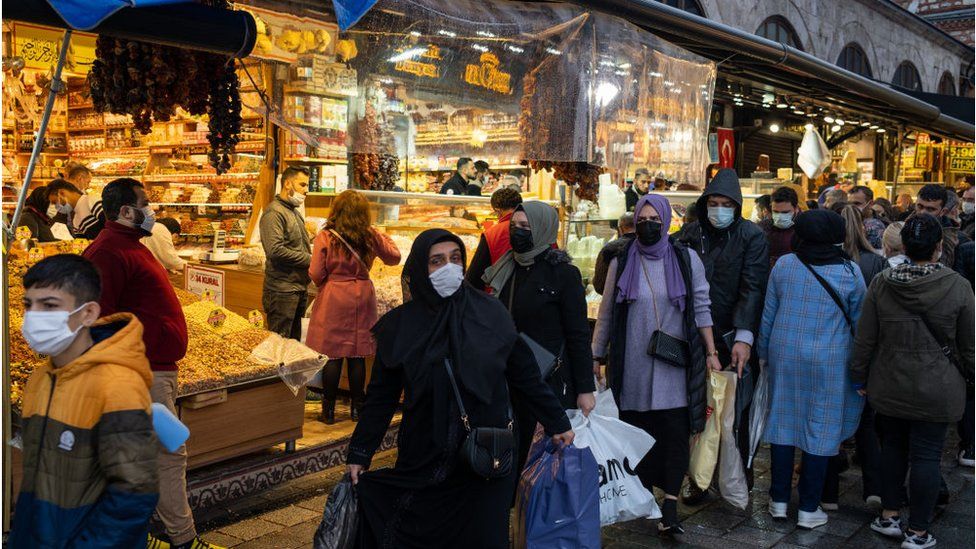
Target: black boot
(355,407)
(328,412)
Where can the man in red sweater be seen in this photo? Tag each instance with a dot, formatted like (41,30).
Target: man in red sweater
(134,282)
(494,241)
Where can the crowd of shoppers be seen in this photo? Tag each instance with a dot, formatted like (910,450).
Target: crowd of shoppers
(837,304)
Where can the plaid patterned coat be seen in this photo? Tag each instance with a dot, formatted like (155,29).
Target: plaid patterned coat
(807,343)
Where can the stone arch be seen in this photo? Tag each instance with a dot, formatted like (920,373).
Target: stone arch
(854,32)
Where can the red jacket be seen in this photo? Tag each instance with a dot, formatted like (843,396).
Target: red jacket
(134,282)
(497,238)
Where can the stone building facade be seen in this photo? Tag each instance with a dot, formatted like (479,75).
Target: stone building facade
(876,38)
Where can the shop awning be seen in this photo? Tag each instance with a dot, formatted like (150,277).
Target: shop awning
(764,61)
(186,25)
(962,108)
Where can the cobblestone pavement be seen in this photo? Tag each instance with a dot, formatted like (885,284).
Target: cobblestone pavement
(287,516)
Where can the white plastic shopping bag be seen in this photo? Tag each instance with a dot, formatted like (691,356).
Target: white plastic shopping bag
(605,405)
(618,447)
(731,475)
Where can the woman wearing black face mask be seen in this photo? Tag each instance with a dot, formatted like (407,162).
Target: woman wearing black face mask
(544,293)
(431,498)
(656,285)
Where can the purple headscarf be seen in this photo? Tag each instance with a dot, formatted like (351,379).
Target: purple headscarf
(631,279)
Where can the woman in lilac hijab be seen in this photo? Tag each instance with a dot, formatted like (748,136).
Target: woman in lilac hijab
(656,300)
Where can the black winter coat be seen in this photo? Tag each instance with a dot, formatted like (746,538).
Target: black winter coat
(697,371)
(736,263)
(549,306)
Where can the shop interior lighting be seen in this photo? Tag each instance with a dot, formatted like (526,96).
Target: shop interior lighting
(774,128)
(880,130)
(605,93)
(811,115)
(656,74)
(449,34)
(839,122)
(865,124)
(486,34)
(414,33)
(874,126)
(624,66)
(808,126)
(515,49)
(553,51)
(407,54)
(479,47)
(829,119)
(835,128)
(782,103)
(768,98)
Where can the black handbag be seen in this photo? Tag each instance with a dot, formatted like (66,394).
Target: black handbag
(664,346)
(488,451)
(548,363)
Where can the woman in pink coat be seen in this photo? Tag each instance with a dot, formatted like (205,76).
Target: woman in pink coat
(345,308)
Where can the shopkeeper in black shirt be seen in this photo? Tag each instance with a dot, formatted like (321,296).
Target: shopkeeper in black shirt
(458,183)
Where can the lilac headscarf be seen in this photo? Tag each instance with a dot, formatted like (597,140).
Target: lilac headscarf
(631,279)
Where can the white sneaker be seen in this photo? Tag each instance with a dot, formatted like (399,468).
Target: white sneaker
(966,458)
(777,510)
(874,503)
(915,541)
(812,519)
(888,526)
(829,506)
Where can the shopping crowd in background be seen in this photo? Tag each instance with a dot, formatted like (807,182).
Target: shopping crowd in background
(858,313)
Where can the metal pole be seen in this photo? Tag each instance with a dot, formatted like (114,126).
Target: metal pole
(894,187)
(56,86)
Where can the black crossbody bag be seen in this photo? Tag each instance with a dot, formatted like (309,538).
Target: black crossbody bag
(833,295)
(664,346)
(943,342)
(488,451)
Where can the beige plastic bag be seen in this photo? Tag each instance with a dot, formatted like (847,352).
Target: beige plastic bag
(731,475)
(704,448)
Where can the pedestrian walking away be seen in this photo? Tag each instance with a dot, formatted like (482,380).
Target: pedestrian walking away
(430,498)
(656,288)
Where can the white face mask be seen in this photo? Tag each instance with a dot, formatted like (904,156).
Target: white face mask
(968,208)
(297,199)
(720,216)
(447,279)
(63,208)
(52,210)
(47,332)
(782,220)
(149,220)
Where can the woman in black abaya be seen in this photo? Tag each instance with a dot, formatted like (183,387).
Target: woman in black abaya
(429,498)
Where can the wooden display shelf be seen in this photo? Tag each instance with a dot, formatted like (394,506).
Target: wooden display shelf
(312,160)
(292,88)
(254,417)
(81,107)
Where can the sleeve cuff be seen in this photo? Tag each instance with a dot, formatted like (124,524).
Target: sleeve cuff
(745,336)
(560,426)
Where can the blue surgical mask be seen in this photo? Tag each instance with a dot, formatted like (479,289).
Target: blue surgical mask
(721,217)
(782,220)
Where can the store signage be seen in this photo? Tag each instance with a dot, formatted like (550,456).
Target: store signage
(283,37)
(726,147)
(199,280)
(418,61)
(922,154)
(961,158)
(39,47)
(488,75)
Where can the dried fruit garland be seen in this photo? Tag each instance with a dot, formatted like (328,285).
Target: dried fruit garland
(148,82)
(373,170)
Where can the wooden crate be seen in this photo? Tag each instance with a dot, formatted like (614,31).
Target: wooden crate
(253,418)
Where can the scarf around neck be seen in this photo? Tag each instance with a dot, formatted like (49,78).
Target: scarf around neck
(544,223)
(631,279)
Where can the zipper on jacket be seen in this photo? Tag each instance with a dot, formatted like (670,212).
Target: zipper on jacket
(40,444)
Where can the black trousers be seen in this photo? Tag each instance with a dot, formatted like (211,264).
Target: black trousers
(284,312)
(357,378)
(667,462)
(967,425)
(916,445)
(869,453)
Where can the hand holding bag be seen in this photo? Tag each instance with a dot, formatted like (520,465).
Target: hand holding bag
(488,451)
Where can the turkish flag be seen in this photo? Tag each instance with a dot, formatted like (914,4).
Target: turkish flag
(726,147)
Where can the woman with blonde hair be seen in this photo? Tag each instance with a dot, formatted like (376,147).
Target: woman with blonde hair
(345,308)
(894,249)
(856,243)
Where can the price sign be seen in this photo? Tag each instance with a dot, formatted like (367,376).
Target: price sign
(205,282)
(961,158)
(256,318)
(216,318)
(34,255)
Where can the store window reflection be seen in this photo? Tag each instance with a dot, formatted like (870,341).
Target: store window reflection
(779,29)
(853,58)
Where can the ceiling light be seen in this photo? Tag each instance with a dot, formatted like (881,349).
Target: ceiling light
(414,33)
(485,34)
(781,105)
(447,33)
(835,128)
(865,124)
(768,98)
(839,122)
(808,126)
(880,130)
(407,54)
(774,128)
(811,115)
(829,119)
(874,126)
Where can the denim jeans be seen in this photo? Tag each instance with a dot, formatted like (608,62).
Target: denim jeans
(814,471)
(916,444)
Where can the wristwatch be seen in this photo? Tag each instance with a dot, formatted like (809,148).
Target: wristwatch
(712,353)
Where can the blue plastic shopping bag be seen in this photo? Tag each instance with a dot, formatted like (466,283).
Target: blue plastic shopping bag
(558,502)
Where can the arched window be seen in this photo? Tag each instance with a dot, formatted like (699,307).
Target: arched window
(853,58)
(690,6)
(906,76)
(946,85)
(779,29)
(966,82)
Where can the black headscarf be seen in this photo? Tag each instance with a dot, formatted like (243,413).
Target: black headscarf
(470,327)
(38,203)
(818,237)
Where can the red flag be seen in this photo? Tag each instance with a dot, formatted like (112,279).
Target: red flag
(726,147)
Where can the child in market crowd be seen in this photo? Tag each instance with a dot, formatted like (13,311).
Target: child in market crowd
(94,481)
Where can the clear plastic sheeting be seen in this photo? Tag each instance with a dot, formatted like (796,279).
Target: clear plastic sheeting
(296,363)
(542,82)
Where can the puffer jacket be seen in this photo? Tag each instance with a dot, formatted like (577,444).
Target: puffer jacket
(736,260)
(905,371)
(90,473)
(696,375)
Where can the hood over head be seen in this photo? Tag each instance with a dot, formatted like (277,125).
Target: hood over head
(725,183)
(921,292)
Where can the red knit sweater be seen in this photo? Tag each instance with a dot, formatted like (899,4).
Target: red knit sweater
(134,282)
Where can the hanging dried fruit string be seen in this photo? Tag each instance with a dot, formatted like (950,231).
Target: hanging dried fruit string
(148,82)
